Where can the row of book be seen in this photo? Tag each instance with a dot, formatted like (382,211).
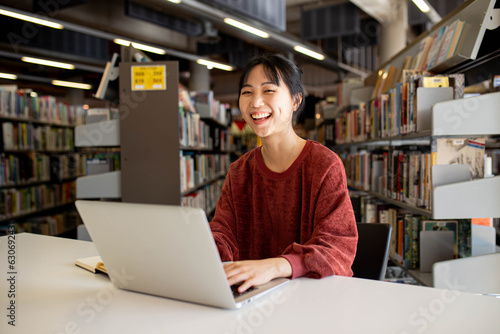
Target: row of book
(24,169)
(205,198)
(196,133)
(28,105)
(47,225)
(28,136)
(197,169)
(404,173)
(15,202)
(395,112)
(193,132)
(33,167)
(432,51)
(405,238)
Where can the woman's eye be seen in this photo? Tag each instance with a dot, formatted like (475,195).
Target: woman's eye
(245,93)
(269,90)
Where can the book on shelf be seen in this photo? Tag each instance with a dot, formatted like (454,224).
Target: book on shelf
(27,136)
(394,112)
(21,169)
(378,84)
(197,169)
(422,53)
(434,50)
(435,81)
(25,104)
(469,151)
(93,264)
(405,242)
(389,79)
(402,174)
(205,198)
(20,201)
(450,40)
(185,101)
(48,224)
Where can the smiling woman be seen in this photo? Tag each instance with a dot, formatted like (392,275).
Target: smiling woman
(284,209)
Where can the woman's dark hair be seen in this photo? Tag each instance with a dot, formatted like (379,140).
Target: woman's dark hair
(278,69)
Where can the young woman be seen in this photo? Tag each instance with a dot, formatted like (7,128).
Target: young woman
(284,209)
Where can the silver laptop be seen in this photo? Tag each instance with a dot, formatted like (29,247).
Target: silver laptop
(163,250)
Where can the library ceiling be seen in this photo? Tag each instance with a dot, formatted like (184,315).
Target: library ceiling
(344,32)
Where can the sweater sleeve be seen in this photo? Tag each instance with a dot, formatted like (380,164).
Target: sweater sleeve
(223,225)
(332,246)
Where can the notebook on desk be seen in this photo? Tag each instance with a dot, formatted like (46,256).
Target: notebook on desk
(163,250)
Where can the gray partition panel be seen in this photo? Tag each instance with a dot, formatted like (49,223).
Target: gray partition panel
(150,139)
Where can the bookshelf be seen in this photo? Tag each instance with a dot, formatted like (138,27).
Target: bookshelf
(38,164)
(171,154)
(438,115)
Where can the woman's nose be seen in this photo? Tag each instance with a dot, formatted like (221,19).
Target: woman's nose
(256,100)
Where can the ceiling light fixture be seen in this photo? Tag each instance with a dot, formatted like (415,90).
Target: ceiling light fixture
(246,27)
(308,52)
(212,64)
(31,19)
(48,63)
(70,84)
(8,76)
(175,1)
(142,47)
(422,5)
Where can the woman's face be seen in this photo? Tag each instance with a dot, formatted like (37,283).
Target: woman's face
(266,107)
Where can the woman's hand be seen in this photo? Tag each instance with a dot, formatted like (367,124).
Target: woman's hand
(256,272)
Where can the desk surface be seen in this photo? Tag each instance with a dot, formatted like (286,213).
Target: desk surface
(55,296)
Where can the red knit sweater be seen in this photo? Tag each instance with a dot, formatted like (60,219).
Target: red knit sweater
(303,214)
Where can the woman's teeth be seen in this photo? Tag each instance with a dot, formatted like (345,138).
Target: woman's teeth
(260,116)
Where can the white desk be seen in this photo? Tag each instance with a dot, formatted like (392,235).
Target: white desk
(54,296)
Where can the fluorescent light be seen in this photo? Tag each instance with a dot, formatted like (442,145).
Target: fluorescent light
(8,76)
(175,1)
(31,19)
(121,42)
(422,5)
(70,84)
(142,47)
(211,64)
(246,27)
(308,52)
(48,63)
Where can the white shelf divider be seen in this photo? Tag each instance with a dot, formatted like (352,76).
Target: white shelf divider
(471,116)
(105,185)
(470,199)
(426,98)
(106,133)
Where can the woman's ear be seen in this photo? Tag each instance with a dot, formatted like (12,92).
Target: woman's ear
(297,101)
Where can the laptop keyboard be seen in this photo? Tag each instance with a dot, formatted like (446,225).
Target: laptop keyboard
(235,287)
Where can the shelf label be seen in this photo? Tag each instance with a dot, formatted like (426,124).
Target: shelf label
(152,77)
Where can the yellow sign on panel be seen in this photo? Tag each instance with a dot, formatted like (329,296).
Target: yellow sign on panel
(152,77)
